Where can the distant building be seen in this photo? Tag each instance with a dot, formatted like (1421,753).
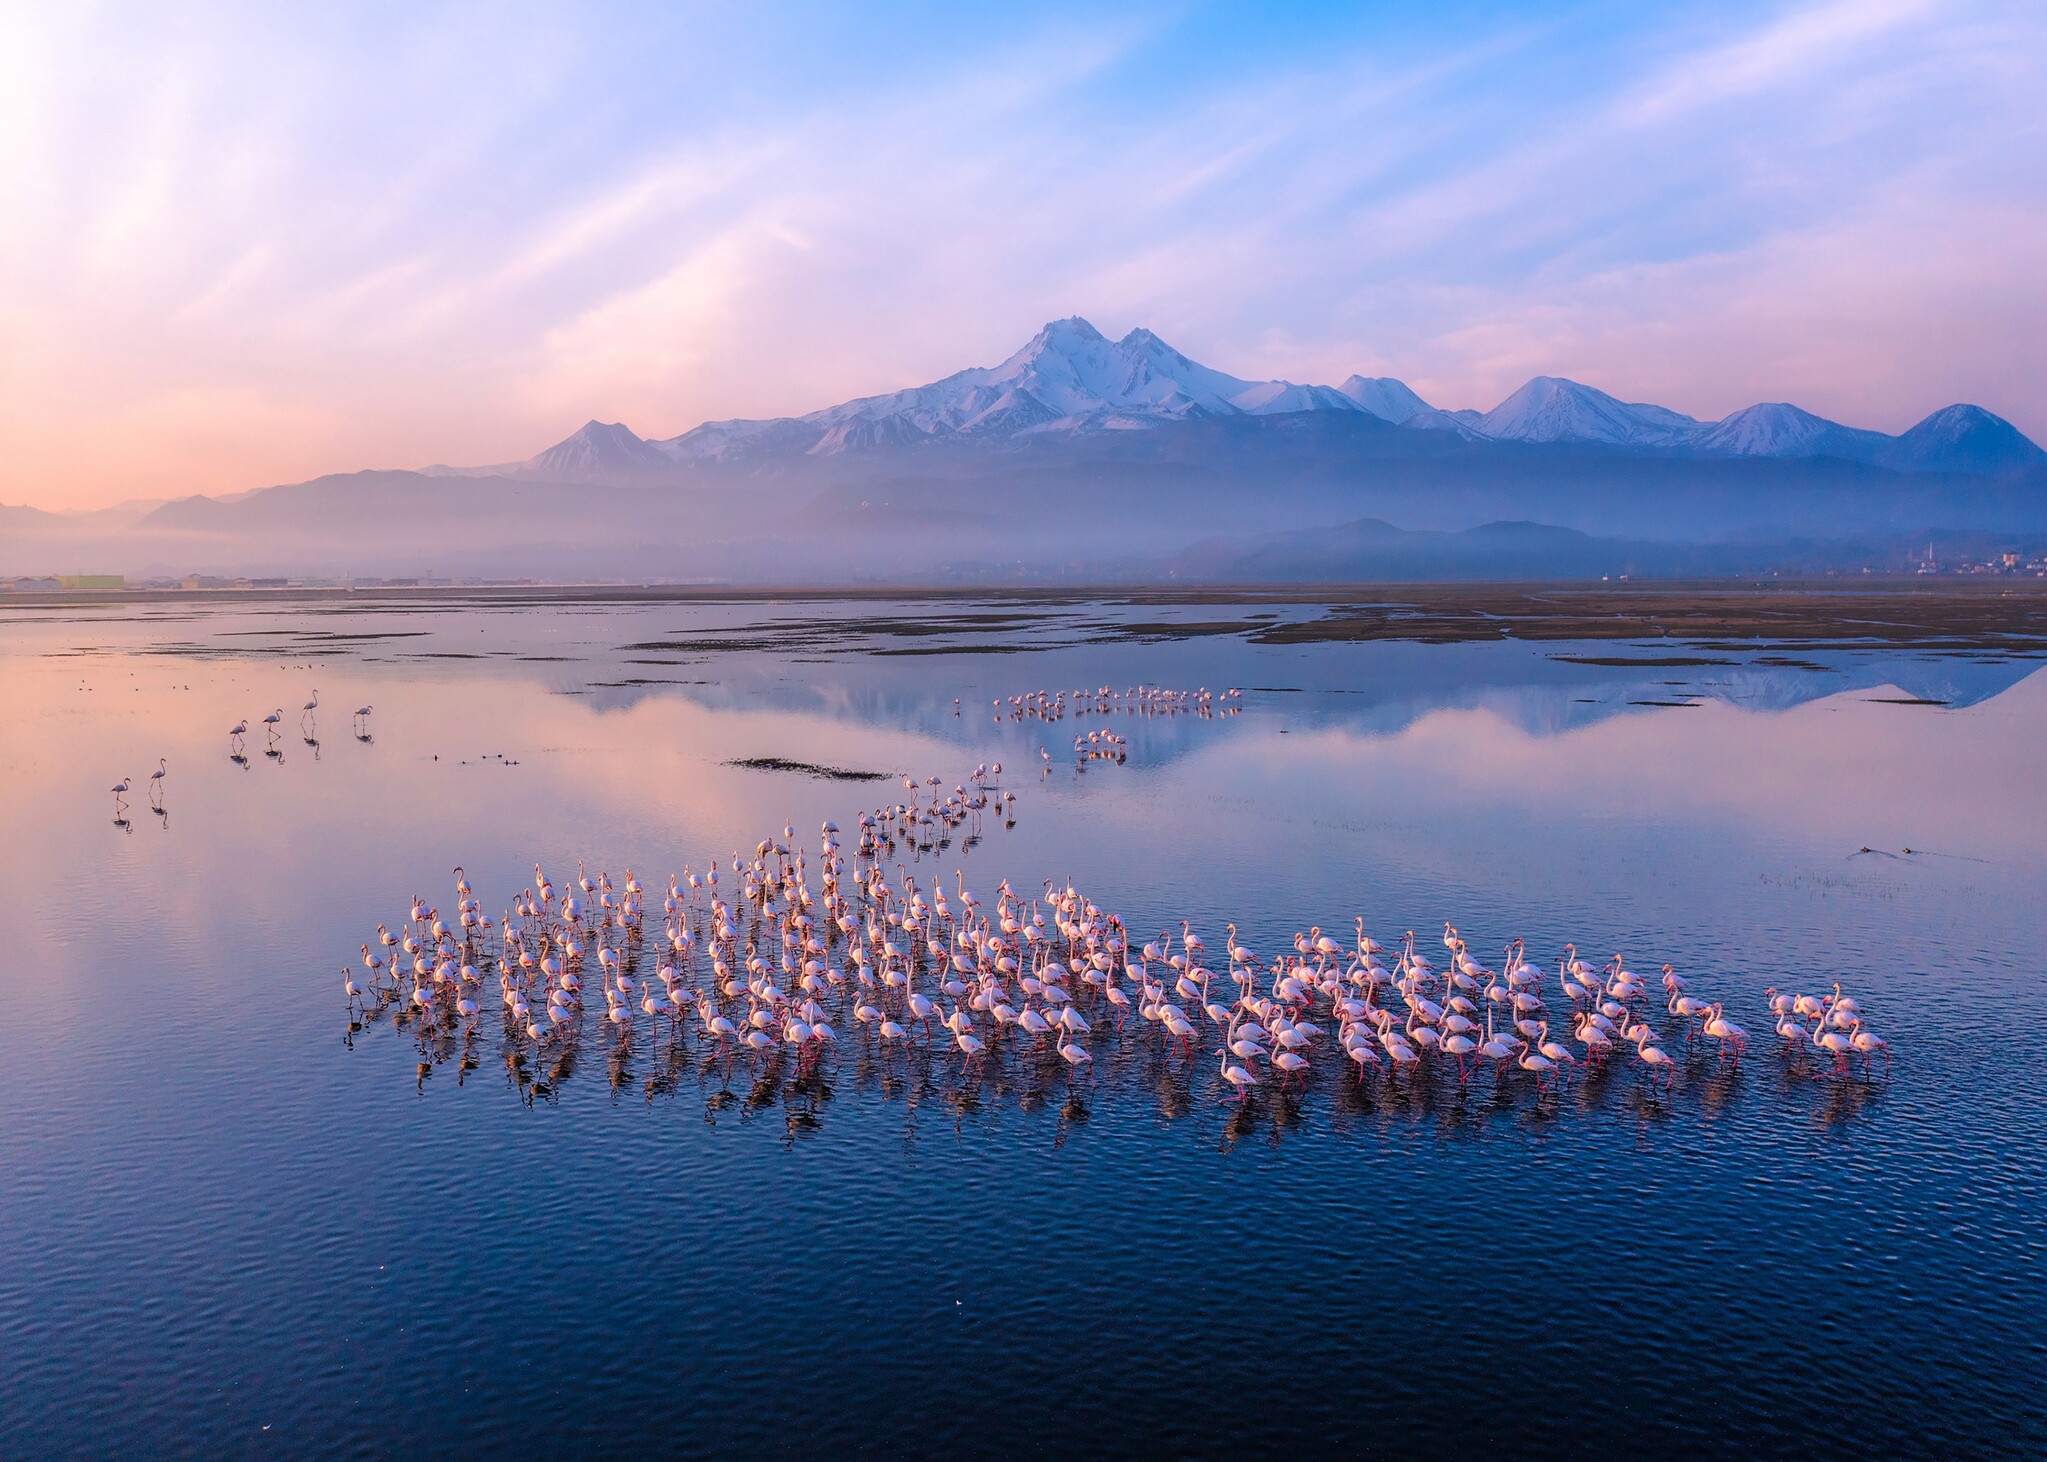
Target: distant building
(91,581)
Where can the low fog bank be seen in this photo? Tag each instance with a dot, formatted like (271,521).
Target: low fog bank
(1281,499)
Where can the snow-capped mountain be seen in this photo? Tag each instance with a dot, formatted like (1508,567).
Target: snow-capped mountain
(1961,438)
(1384,397)
(1071,381)
(599,449)
(1069,378)
(1128,447)
(1777,429)
(1549,409)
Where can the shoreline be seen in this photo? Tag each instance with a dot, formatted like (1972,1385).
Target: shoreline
(1988,614)
(1342,592)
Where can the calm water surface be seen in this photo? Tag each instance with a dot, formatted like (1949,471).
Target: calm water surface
(229,1225)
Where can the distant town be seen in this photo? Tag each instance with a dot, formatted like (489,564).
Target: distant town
(74,583)
(2010,563)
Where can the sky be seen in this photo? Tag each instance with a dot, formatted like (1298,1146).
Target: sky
(248,244)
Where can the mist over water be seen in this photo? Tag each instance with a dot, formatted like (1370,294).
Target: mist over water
(229,1223)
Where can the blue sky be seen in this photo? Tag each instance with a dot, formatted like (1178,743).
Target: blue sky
(246,244)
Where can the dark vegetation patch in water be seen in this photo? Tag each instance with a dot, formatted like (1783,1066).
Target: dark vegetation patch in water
(1650,662)
(954,650)
(1961,620)
(807,768)
(849,632)
(1702,625)
(324,635)
(1165,631)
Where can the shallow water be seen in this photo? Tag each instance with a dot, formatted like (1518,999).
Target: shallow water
(229,1224)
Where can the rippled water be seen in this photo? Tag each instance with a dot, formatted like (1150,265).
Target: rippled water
(229,1224)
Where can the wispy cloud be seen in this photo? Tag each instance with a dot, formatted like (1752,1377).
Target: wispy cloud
(1797,46)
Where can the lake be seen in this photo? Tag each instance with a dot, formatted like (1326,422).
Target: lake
(239,1217)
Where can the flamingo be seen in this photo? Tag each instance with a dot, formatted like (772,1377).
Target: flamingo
(1653,1056)
(1868,1044)
(1595,1041)
(1240,1079)
(1732,1038)
(1537,1065)
(1793,1034)
(1834,1044)
(1558,1053)
(1460,1045)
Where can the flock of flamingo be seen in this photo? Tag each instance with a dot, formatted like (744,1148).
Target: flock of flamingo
(237,750)
(777,971)
(783,971)
(309,730)
(1102,744)
(1141,700)
(1042,705)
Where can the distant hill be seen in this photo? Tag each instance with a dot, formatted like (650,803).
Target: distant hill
(1371,550)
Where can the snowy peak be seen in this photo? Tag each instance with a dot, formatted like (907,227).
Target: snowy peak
(1779,429)
(1067,379)
(1150,359)
(1551,409)
(599,450)
(1383,397)
(1270,398)
(1962,438)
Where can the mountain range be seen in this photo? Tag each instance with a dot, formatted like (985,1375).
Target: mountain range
(1084,458)
(1070,380)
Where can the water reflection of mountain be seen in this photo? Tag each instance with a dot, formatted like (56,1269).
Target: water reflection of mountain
(902,663)
(1381,686)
